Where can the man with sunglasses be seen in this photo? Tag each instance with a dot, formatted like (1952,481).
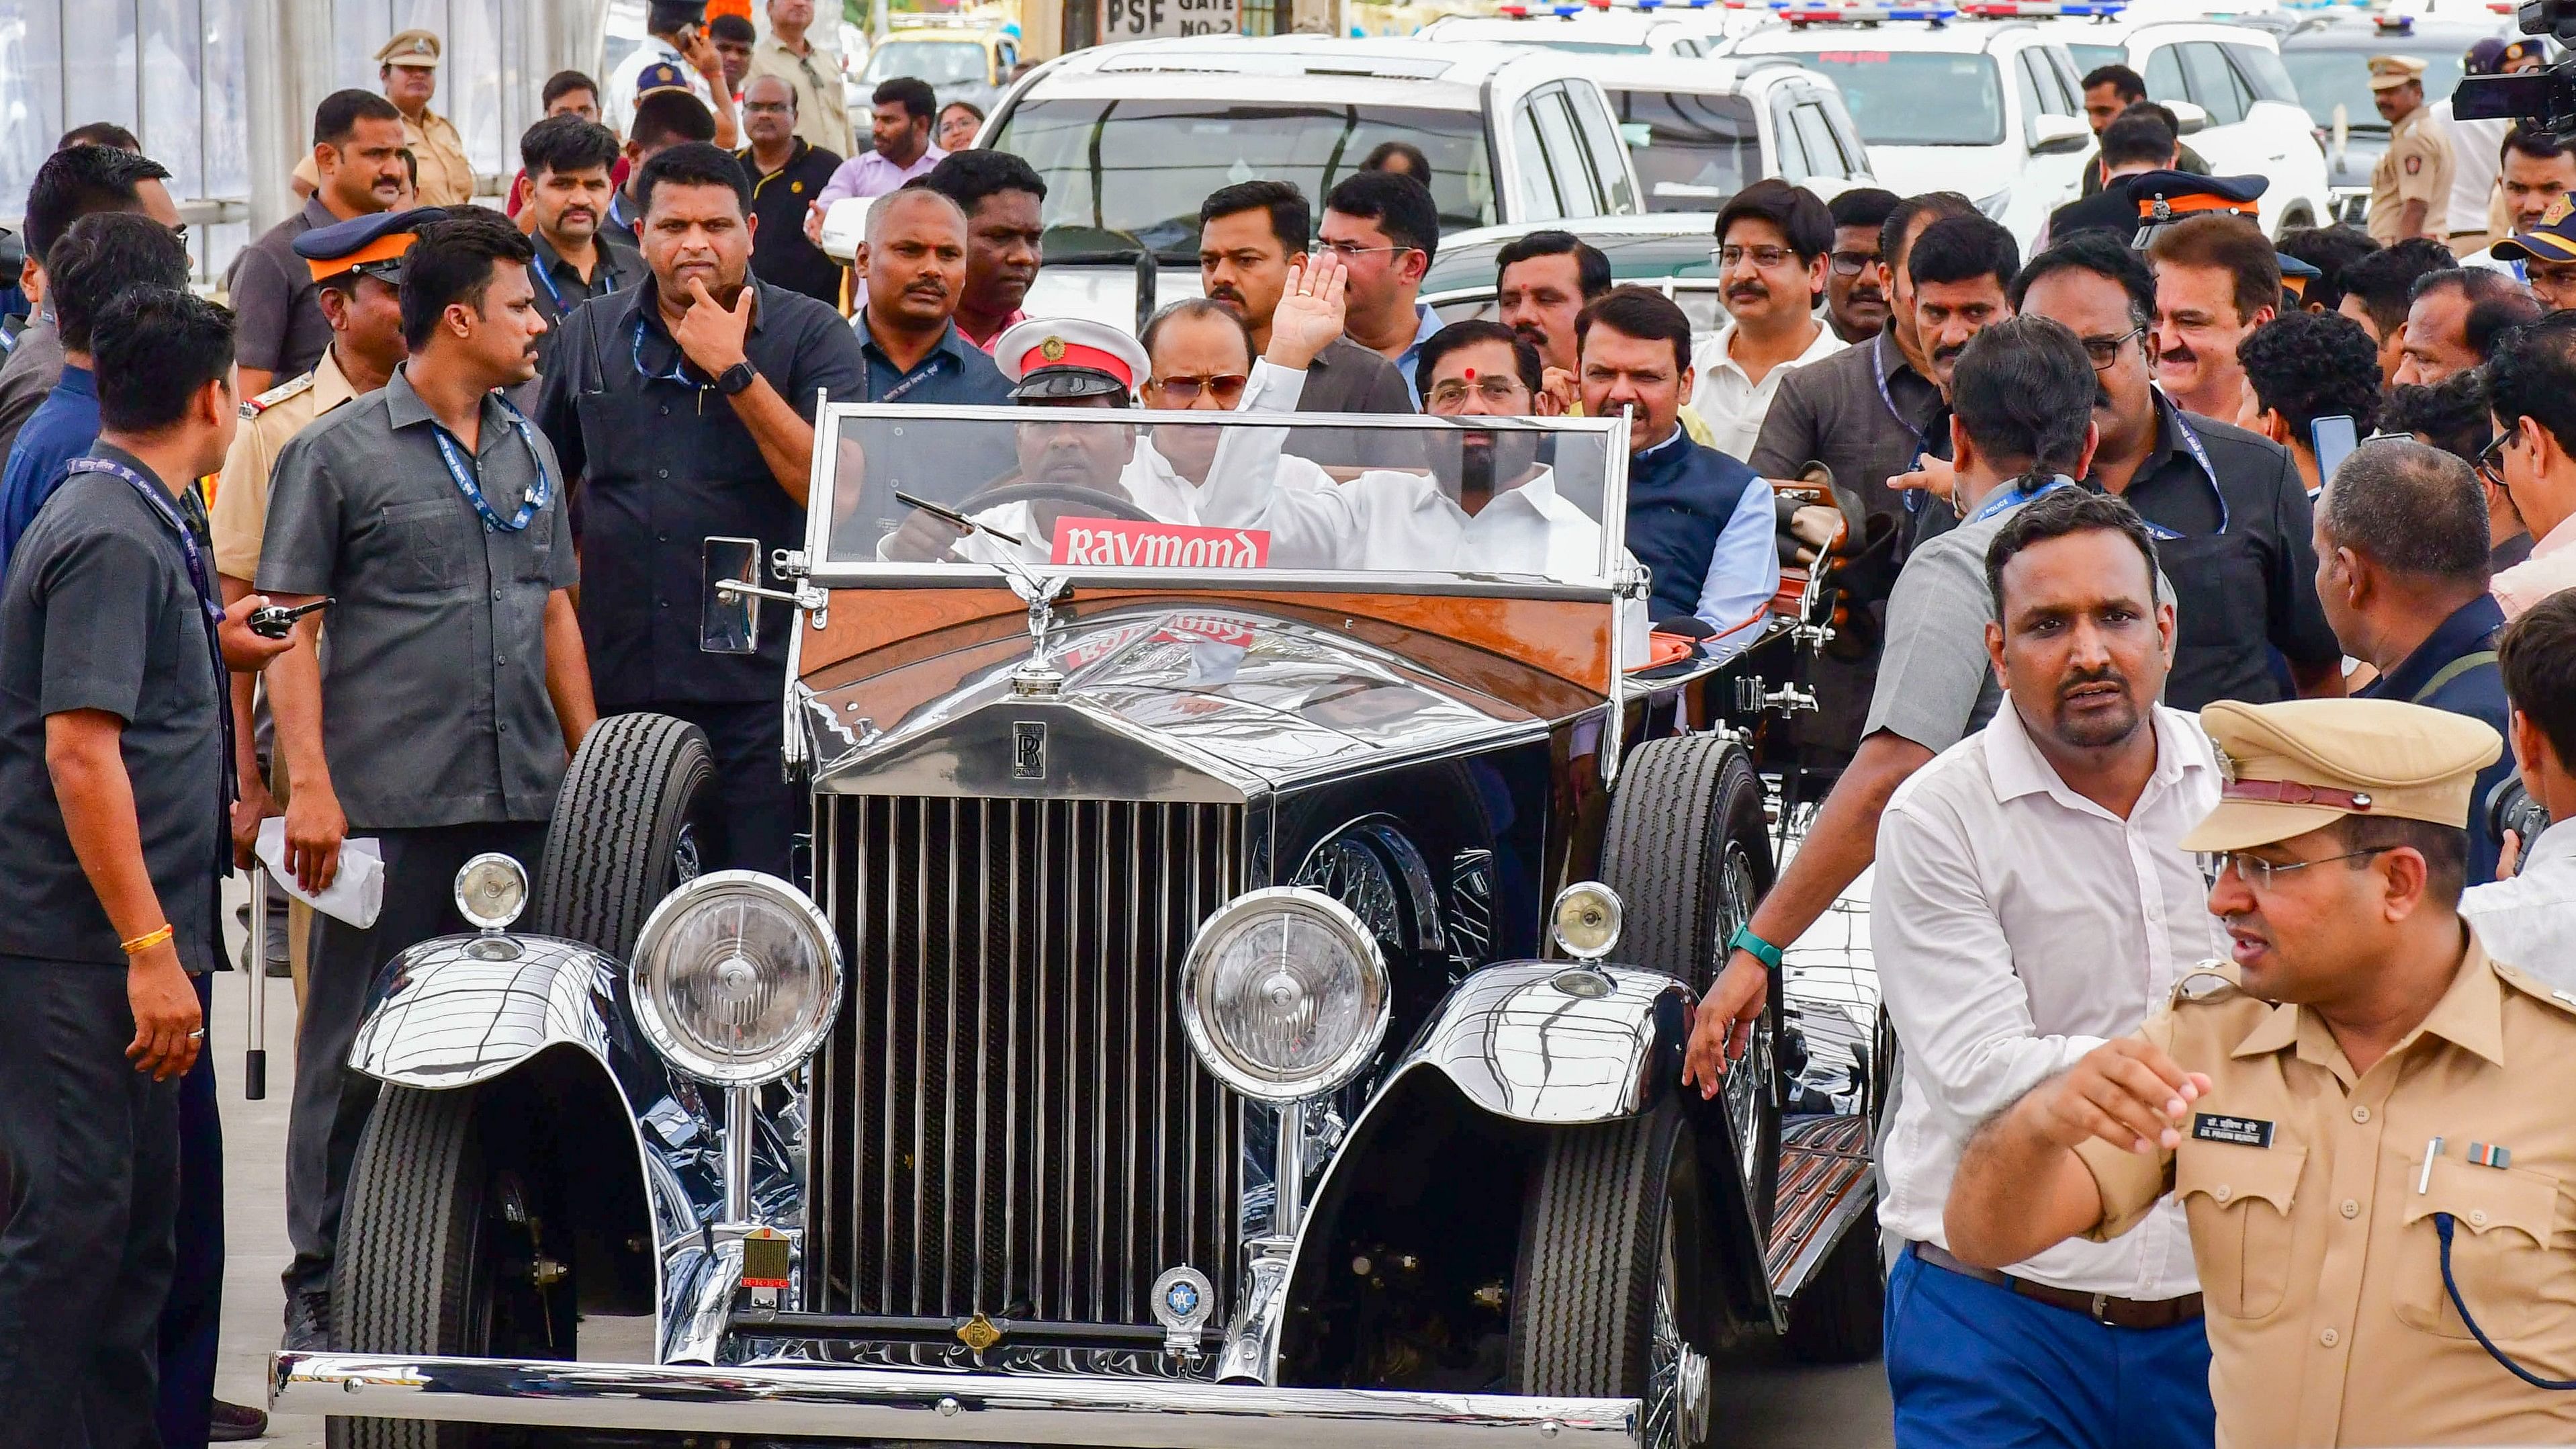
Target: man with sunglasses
(1855,290)
(2363,1114)
(2531,390)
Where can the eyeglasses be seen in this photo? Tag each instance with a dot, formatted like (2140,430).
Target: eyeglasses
(1183,390)
(1763,257)
(2258,872)
(2491,457)
(1497,391)
(2103,351)
(767,108)
(1348,250)
(1851,264)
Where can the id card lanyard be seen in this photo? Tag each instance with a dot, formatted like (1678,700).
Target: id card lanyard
(467,482)
(210,607)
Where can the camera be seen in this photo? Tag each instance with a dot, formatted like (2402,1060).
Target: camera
(2510,807)
(2545,100)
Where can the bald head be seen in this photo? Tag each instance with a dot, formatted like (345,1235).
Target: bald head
(913,207)
(769,113)
(914,262)
(2410,509)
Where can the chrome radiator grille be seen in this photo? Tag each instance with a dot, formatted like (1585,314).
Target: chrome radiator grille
(1008,1117)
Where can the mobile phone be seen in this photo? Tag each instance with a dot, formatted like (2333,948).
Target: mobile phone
(2334,440)
(274,621)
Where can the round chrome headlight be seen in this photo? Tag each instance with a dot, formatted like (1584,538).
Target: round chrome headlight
(736,978)
(1585,920)
(491,891)
(1284,994)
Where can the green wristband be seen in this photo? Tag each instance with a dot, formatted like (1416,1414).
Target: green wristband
(1755,947)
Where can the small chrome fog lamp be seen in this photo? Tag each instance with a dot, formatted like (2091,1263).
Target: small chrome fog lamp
(1585,920)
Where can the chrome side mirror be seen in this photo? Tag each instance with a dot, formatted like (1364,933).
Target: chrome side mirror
(729,618)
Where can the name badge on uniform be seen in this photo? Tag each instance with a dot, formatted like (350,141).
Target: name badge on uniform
(2243,1131)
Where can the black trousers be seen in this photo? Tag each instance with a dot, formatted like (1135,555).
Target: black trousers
(92,1150)
(331,1101)
(193,1315)
(757,813)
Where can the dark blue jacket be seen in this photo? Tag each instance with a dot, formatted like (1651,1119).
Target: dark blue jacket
(2476,691)
(1680,496)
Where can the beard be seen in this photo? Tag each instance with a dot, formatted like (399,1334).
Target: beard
(2102,725)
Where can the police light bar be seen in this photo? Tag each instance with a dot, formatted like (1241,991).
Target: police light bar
(2037,9)
(2394,24)
(1809,14)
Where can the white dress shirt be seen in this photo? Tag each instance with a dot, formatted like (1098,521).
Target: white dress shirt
(1733,404)
(2529,920)
(2018,925)
(617,107)
(2477,161)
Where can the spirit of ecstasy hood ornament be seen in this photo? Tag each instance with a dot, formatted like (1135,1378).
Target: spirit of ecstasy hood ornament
(1035,678)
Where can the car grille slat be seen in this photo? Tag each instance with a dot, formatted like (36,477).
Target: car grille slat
(1013,1123)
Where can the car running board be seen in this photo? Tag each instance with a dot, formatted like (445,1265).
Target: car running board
(1826,1189)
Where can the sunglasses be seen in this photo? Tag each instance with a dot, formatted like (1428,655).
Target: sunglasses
(1183,390)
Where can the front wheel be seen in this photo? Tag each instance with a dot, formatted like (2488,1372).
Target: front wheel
(447,1247)
(1611,1295)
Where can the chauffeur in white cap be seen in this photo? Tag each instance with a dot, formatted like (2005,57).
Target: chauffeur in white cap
(1069,362)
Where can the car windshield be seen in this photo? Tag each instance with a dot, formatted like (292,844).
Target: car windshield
(1513,501)
(2090,58)
(1918,97)
(940,62)
(2328,78)
(1691,151)
(1123,175)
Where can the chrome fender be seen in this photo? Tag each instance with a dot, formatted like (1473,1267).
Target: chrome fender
(1549,1043)
(1556,1042)
(462,1010)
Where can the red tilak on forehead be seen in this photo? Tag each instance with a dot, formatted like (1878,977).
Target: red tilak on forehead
(1471,374)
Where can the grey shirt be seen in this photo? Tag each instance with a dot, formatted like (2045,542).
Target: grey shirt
(99,614)
(277,311)
(434,703)
(1348,378)
(1936,685)
(34,366)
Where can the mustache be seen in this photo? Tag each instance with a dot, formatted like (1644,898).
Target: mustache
(1950,353)
(2107,674)
(1748,291)
(1221,293)
(2178,352)
(1530,330)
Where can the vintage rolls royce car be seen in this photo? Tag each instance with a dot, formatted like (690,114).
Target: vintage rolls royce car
(1235,992)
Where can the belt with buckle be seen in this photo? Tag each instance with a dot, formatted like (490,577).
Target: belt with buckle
(2102,1308)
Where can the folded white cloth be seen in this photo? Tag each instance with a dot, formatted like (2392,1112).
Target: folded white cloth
(355,895)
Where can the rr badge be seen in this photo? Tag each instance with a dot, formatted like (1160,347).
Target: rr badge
(1028,749)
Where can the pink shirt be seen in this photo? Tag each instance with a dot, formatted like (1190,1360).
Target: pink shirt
(2551,567)
(869,174)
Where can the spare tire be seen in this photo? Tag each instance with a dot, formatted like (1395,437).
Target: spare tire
(625,829)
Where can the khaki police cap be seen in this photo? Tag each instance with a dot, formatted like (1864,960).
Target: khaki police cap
(411,47)
(2302,764)
(2388,72)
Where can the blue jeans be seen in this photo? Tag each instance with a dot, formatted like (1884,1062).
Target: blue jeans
(1972,1365)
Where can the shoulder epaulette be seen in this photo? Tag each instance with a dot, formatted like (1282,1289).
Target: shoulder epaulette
(2208,981)
(2537,989)
(276,395)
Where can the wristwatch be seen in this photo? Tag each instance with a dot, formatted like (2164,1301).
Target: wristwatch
(735,378)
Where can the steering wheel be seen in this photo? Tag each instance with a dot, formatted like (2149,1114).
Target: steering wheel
(1106,503)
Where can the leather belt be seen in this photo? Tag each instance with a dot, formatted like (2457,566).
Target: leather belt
(2102,1308)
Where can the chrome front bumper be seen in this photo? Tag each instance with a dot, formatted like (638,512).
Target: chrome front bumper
(823,1401)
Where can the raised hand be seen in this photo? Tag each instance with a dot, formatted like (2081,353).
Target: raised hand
(1311,312)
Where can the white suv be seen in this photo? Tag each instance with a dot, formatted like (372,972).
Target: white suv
(1700,131)
(1990,109)
(1132,137)
(2256,126)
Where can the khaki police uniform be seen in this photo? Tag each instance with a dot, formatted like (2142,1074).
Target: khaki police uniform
(2417,164)
(2313,1189)
(446,175)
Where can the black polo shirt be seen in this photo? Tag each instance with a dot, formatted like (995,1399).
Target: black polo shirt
(2241,556)
(99,614)
(561,287)
(666,464)
(277,310)
(780,254)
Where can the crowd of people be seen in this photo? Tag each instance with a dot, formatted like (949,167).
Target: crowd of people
(2115,527)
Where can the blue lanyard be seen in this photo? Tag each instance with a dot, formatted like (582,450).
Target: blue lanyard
(679,372)
(1878,374)
(2199,455)
(538,495)
(209,603)
(2015,498)
(545,278)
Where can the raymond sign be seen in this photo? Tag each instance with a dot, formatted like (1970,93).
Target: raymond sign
(1115,543)
(1137,19)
